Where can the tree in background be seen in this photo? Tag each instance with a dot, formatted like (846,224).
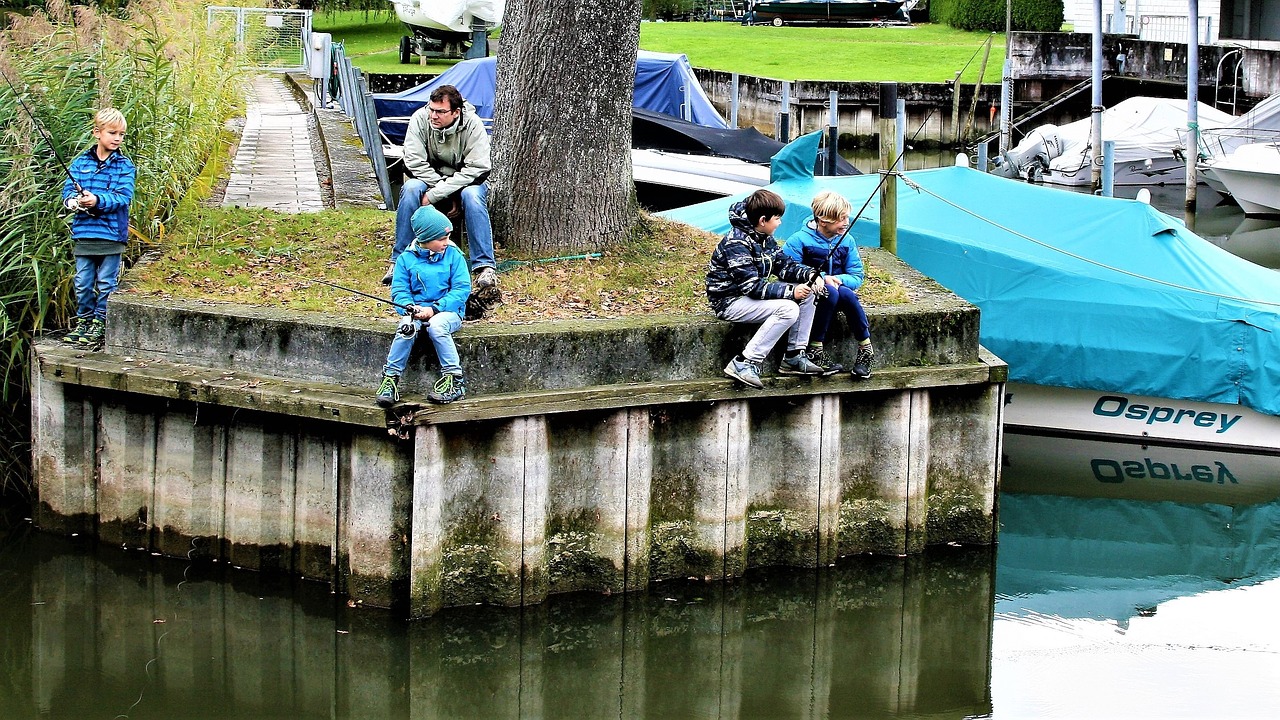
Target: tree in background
(561,181)
(989,15)
(670,9)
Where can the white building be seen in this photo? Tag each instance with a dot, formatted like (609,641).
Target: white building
(1253,23)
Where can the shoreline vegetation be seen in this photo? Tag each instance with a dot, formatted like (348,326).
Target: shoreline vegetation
(176,83)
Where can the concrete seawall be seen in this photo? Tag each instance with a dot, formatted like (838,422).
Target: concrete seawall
(602,457)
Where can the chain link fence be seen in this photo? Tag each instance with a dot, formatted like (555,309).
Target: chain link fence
(273,39)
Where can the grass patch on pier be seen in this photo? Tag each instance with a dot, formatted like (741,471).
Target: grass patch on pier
(264,258)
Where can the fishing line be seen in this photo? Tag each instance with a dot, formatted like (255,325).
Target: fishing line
(886,174)
(156,658)
(40,129)
(406,308)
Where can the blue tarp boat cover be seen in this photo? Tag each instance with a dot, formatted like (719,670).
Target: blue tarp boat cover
(1075,290)
(661,82)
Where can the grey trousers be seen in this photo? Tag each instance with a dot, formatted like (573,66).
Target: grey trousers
(775,317)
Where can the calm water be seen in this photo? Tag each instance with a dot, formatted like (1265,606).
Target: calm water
(1150,599)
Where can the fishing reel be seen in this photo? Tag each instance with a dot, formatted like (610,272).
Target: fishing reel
(73,204)
(407,328)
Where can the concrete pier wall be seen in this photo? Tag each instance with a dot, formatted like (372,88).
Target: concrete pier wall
(542,482)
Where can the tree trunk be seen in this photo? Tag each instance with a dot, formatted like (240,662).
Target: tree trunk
(561,180)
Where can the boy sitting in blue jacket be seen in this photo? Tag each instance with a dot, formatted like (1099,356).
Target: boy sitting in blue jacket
(430,277)
(824,244)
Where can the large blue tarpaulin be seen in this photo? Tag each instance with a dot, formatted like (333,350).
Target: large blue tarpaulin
(664,82)
(1075,290)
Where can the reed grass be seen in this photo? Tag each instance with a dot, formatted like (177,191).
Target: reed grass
(176,84)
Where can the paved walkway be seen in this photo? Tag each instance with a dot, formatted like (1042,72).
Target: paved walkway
(274,165)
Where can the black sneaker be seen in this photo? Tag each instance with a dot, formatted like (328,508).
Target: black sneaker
(95,331)
(77,330)
(389,391)
(862,363)
(447,389)
(828,364)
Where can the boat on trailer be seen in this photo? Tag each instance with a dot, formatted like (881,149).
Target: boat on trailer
(447,28)
(1116,321)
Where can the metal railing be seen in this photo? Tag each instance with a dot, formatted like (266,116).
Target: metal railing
(356,101)
(1164,28)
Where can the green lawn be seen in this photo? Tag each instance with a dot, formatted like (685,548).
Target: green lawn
(924,53)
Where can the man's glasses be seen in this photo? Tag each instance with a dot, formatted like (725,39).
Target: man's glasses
(437,111)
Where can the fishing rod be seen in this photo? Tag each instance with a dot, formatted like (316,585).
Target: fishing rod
(886,174)
(40,129)
(407,308)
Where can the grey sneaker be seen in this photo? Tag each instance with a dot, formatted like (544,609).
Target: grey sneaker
(828,364)
(389,391)
(862,363)
(746,372)
(447,389)
(487,277)
(391,271)
(799,365)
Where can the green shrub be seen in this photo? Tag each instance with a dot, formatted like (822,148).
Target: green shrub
(989,15)
(670,9)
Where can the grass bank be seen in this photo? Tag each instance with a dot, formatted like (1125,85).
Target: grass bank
(921,53)
(259,257)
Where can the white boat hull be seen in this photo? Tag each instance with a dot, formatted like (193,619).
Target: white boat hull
(1252,175)
(449,16)
(1125,416)
(701,173)
(1152,171)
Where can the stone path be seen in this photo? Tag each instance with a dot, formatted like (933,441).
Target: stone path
(274,166)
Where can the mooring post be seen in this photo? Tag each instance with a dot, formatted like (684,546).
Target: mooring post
(888,164)
(1108,169)
(1193,114)
(833,133)
(955,109)
(733,100)
(784,115)
(1095,146)
(982,157)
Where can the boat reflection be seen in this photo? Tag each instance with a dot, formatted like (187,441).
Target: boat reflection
(1081,539)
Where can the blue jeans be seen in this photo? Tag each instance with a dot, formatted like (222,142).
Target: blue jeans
(96,278)
(837,299)
(440,328)
(475,208)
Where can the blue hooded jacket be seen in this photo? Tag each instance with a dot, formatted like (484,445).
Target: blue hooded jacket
(112,181)
(439,280)
(837,256)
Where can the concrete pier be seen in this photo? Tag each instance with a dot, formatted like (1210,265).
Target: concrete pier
(557,475)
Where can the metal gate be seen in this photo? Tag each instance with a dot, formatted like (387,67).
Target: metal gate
(273,39)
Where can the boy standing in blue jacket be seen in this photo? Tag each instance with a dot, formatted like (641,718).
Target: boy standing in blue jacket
(824,245)
(99,190)
(430,277)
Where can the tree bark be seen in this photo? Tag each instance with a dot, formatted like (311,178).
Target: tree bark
(561,181)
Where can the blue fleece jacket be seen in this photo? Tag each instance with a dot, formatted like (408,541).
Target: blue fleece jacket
(112,181)
(438,280)
(837,256)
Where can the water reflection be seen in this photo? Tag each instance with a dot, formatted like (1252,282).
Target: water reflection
(97,633)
